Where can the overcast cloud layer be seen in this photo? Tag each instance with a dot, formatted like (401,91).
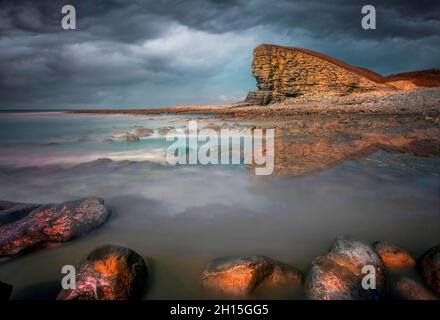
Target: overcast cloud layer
(156,53)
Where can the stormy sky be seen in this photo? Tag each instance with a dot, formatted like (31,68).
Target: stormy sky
(132,54)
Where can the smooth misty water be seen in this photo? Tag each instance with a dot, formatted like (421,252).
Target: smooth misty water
(179,218)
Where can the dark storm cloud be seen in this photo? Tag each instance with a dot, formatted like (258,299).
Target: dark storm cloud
(138,53)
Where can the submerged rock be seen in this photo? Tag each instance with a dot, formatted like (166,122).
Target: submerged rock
(395,259)
(338,275)
(429,267)
(109,272)
(164,130)
(52,223)
(132,138)
(5,291)
(119,135)
(408,289)
(143,132)
(240,276)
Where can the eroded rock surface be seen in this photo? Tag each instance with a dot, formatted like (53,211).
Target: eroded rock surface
(283,72)
(109,272)
(51,223)
(241,276)
(338,275)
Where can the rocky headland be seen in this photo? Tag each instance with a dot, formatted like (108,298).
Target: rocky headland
(326,111)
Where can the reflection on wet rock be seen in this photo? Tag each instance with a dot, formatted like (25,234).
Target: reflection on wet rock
(311,143)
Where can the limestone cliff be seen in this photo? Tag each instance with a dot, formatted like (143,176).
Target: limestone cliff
(290,72)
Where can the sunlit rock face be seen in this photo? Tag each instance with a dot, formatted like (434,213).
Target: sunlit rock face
(109,272)
(283,72)
(241,276)
(430,268)
(396,259)
(338,275)
(48,223)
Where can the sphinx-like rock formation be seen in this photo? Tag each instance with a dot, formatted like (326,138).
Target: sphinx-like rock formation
(283,72)
(290,72)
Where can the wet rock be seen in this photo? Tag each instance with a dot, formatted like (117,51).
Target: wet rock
(408,289)
(395,259)
(143,132)
(120,135)
(5,291)
(109,272)
(107,140)
(52,223)
(132,138)
(240,276)
(338,275)
(429,267)
(164,130)
(13,211)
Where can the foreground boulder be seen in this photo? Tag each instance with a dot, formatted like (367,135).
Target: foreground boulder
(13,211)
(396,260)
(408,289)
(5,291)
(338,275)
(429,267)
(109,272)
(241,276)
(52,223)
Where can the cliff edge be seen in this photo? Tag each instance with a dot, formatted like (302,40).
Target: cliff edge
(283,72)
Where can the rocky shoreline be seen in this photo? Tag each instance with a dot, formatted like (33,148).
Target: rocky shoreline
(424,101)
(312,135)
(112,272)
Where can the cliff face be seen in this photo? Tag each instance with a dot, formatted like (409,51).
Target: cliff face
(283,72)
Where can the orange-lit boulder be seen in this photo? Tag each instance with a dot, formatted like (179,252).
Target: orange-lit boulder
(109,272)
(396,260)
(52,223)
(408,289)
(240,276)
(338,275)
(429,267)
(5,291)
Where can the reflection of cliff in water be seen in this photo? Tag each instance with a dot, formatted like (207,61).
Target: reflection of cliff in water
(310,143)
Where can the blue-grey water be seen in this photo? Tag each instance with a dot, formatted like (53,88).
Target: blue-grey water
(180,217)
